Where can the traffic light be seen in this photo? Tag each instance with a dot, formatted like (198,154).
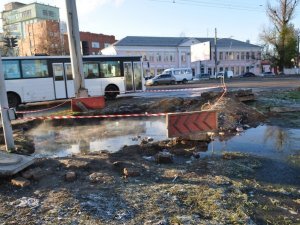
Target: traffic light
(10,42)
(7,42)
(14,42)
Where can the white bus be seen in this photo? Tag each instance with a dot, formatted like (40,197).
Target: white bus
(44,78)
(181,74)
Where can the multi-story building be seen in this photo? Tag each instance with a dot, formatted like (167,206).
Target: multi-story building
(43,38)
(161,53)
(16,16)
(91,43)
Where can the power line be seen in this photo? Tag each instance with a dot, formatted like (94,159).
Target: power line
(213,5)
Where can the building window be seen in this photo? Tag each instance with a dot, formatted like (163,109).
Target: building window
(183,57)
(106,45)
(166,57)
(172,57)
(247,55)
(243,56)
(95,45)
(51,13)
(230,55)
(26,14)
(151,57)
(221,55)
(158,57)
(259,55)
(252,55)
(237,56)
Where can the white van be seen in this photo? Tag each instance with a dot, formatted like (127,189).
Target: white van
(225,74)
(181,74)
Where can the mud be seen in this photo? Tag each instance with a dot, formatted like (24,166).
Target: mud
(235,188)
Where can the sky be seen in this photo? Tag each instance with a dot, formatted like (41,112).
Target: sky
(238,19)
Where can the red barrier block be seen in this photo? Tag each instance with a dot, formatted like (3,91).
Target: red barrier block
(190,123)
(85,104)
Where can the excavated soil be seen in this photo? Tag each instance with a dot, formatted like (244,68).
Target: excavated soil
(166,182)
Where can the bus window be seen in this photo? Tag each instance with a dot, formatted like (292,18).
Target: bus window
(34,68)
(11,69)
(110,69)
(90,70)
(68,71)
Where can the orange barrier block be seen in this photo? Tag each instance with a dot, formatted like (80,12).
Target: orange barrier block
(85,104)
(190,123)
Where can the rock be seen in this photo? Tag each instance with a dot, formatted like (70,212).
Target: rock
(70,176)
(131,172)
(20,182)
(164,157)
(97,177)
(35,173)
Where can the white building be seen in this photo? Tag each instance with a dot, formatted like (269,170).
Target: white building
(160,53)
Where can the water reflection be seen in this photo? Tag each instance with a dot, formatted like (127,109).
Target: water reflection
(58,141)
(111,135)
(280,136)
(269,141)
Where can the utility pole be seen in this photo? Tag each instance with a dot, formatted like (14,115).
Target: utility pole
(297,54)
(75,52)
(216,53)
(7,129)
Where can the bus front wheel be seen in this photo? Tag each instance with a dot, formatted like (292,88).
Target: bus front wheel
(13,100)
(111,92)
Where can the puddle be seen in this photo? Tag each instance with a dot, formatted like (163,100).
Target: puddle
(58,141)
(269,141)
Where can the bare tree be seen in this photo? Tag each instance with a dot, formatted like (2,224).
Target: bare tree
(283,34)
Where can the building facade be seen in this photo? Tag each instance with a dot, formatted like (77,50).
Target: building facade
(160,53)
(91,43)
(43,38)
(16,16)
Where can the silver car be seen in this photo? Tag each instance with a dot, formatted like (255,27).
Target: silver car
(161,79)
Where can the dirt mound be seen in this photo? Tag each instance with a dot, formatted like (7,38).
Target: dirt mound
(233,113)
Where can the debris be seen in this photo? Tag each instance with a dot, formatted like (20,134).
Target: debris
(164,157)
(20,182)
(70,176)
(131,172)
(28,202)
(35,173)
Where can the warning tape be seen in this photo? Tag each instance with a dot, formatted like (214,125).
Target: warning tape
(183,89)
(95,116)
(42,110)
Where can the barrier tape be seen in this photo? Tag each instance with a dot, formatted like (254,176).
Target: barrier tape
(41,110)
(183,89)
(95,116)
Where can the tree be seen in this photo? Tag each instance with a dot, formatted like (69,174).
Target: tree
(281,39)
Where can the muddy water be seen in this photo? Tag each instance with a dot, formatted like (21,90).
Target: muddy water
(57,141)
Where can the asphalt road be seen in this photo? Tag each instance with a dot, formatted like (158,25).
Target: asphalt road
(255,83)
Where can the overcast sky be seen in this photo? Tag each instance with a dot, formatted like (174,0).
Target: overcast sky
(239,19)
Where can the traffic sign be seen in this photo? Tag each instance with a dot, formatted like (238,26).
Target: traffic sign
(185,124)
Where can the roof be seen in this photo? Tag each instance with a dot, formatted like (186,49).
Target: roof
(176,41)
(151,41)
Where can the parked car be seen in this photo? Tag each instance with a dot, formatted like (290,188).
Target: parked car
(248,74)
(267,74)
(161,79)
(225,74)
(201,76)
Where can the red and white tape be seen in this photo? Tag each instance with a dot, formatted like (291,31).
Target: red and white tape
(96,116)
(42,110)
(183,89)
